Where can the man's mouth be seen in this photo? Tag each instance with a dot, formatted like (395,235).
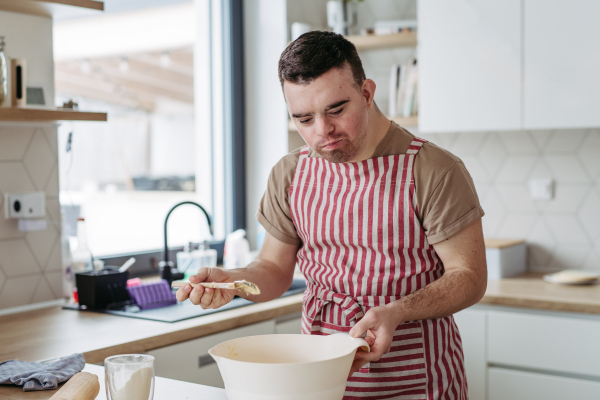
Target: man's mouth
(332,145)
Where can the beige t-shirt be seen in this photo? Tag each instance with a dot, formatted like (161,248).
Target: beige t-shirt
(446,198)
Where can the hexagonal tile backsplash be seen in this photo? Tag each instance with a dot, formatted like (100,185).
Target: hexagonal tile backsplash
(563,232)
(30,263)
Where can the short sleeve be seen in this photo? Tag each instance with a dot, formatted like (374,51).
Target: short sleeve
(274,208)
(447,201)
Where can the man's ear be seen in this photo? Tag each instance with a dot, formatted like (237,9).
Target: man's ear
(368,91)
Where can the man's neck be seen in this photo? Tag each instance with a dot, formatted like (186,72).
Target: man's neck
(377,127)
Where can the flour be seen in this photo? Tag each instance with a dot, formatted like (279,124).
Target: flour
(137,387)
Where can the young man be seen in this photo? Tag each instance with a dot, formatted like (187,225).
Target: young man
(385,227)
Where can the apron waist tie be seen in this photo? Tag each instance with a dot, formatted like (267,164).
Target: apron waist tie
(352,309)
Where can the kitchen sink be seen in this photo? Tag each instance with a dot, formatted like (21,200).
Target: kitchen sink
(186,310)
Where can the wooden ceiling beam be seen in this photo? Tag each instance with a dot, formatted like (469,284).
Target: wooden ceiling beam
(103,81)
(152,90)
(154,59)
(70,89)
(145,76)
(85,85)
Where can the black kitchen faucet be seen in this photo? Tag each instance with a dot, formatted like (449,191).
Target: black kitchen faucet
(166,266)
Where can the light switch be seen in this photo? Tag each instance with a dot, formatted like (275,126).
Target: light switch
(542,189)
(27,205)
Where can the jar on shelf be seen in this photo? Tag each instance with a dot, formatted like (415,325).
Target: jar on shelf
(3,72)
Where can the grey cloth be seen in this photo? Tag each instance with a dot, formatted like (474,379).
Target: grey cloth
(40,375)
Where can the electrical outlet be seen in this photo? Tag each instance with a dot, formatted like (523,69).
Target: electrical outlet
(542,189)
(27,205)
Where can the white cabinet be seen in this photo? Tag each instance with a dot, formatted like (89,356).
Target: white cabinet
(516,353)
(469,65)
(289,324)
(472,327)
(190,362)
(544,342)
(505,384)
(508,65)
(562,63)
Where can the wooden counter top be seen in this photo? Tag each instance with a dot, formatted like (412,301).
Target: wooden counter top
(53,332)
(530,291)
(163,389)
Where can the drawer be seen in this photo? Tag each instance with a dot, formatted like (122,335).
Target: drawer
(289,324)
(544,342)
(190,362)
(504,384)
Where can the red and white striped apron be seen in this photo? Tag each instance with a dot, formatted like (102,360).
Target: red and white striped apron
(363,246)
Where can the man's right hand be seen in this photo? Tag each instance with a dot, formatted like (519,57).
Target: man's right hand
(207,298)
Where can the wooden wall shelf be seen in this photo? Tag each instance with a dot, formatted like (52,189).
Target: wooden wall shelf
(56,9)
(40,115)
(374,42)
(410,121)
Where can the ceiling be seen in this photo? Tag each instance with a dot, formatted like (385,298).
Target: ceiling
(139,80)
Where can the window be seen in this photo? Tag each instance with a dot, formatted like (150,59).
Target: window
(163,71)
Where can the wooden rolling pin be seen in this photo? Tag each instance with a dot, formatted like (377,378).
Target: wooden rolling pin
(81,386)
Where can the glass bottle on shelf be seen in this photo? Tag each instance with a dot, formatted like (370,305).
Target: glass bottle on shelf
(82,256)
(3,73)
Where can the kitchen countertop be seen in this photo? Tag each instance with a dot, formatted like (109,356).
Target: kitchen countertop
(530,291)
(163,389)
(53,332)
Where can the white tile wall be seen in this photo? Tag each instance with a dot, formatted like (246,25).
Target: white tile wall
(563,232)
(30,262)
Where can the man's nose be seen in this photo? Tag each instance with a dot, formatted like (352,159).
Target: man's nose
(324,127)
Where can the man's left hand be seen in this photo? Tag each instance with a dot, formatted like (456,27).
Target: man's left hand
(380,324)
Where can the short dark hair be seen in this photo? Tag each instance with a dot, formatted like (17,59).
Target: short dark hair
(316,52)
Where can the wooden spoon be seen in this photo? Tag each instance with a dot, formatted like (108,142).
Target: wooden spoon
(243,286)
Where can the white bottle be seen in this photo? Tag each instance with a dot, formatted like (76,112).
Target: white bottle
(82,256)
(67,263)
(236,250)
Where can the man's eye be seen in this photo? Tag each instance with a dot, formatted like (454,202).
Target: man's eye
(305,121)
(338,111)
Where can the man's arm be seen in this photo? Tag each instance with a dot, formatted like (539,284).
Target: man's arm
(272,271)
(462,285)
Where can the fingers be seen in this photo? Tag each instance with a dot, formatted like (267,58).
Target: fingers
(196,294)
(367,322)
(207,299)
(201,275)
(183,293)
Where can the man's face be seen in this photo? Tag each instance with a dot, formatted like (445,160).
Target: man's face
(330,114)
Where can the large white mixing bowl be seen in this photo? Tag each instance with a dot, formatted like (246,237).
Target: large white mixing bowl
(287,367)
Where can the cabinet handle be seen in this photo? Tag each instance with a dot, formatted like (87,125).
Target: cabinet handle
(205,360)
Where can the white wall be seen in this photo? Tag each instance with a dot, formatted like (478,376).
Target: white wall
(30,262)
(265,38)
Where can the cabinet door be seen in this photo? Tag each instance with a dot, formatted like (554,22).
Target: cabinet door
(289,324)
(472,327)
(507,384)
(469,65)
(562,64)
(564,344)
(190,362)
